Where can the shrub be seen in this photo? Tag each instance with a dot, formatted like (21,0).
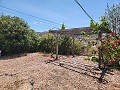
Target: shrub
(94,59)
(65,45)
(110,49)
(16,36)
(47,43)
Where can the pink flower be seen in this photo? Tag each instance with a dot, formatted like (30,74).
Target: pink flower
(112,60)
(109,61)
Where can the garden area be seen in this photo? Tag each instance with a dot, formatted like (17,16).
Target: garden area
(86,58)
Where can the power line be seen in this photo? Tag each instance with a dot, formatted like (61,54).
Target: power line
(30,15)
(14,13)
(23,16)
(84,10)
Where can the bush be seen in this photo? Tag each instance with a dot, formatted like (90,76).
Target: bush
(16,36)
(47,43)
(110,48)
(65,45)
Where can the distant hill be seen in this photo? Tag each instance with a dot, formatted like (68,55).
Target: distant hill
(42,33)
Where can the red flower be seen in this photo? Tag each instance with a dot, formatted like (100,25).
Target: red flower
(105,48)
(113,46)
(111,61)
(112,33)
(116,41)
(99,47)
(117,57)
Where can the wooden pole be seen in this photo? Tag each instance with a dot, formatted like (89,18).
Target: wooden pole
(57,40)
(57,49)
(0,52)
(99,53)
(73,46)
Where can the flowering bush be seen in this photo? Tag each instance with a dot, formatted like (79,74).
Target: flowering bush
(110,48)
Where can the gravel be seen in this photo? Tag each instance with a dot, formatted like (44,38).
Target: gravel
(37,71)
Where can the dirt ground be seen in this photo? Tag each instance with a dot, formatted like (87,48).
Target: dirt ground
(37,72)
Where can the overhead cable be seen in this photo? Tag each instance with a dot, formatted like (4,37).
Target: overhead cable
(84,10)
(30,15)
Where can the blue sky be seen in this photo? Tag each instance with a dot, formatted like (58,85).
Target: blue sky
(57,11)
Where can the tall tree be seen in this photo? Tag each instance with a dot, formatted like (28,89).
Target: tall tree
(112,14)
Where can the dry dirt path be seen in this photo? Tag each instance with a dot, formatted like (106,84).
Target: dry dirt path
(32,73)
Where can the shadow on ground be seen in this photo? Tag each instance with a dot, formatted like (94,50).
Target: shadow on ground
(88,70)
(12,56)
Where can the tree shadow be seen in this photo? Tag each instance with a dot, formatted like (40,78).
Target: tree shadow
(88,70)
(12,56)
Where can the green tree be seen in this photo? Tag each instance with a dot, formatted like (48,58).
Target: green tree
(63,26)
(103,24)
(16,36)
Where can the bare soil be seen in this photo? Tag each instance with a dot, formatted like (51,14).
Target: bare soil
(38,71)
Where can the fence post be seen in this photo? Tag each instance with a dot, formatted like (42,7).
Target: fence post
(0,52)
(57,36)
